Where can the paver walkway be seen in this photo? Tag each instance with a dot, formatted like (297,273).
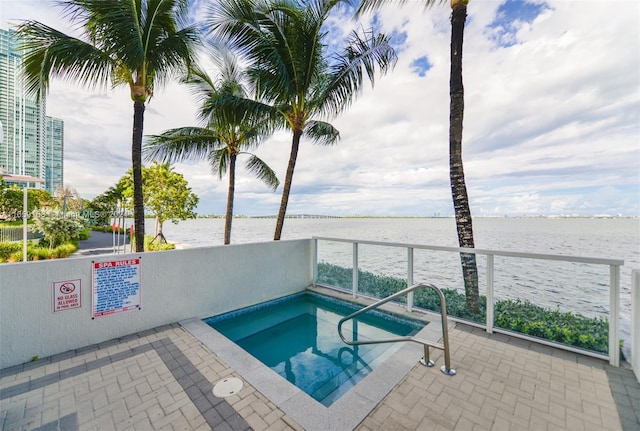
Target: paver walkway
(157,380)
(98,243)
(162,379)
(504,383)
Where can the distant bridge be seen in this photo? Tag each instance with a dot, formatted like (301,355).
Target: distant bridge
(298,216)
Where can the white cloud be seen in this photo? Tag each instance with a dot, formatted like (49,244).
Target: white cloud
(552,122)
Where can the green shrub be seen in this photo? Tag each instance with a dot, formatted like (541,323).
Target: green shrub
(12,252)
(40,253)
(456,304)
(65,250)
(16,256)
(156,245)
(568,328)
(58,229)
(7,248)
(381,286)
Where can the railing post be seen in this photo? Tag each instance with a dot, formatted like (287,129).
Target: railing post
(314,261)
(614,314)
(490,311)
(354,281)
(410,278)
(635,322)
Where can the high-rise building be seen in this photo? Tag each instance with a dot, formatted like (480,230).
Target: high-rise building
(26,146)
(54,149)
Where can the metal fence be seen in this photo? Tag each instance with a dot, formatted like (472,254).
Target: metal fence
(14,233)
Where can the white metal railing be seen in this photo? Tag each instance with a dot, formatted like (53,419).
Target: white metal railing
(614,285)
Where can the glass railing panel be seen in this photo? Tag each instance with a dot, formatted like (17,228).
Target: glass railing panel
(562,302)
(335,264)
(444,270)
(382,271)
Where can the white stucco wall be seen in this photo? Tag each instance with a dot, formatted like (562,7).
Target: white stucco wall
(175,285)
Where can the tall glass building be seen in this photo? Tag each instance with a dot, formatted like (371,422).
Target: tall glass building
(27,146)
(54,158)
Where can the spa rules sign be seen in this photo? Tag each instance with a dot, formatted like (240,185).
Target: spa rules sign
(116,286)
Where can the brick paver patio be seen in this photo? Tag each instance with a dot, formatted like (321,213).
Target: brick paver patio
(162,380)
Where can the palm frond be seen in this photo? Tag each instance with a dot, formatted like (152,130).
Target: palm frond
(51,53)
(234,22)
(180,144)
(219,161)
(321,132)
(138,41)
(262,171)
(362,55)
(174,55)
(371,5)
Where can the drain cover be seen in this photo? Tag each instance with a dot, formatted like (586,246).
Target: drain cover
(227,387)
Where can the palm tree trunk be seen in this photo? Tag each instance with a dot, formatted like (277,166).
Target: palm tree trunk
(136,156)
(232,186)
(295,144)
(456,169)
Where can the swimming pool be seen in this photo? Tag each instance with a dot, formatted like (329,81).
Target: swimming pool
(296,336)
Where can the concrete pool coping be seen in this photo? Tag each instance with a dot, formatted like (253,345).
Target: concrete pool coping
(346,412)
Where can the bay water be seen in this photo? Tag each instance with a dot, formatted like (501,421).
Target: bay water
(568,286)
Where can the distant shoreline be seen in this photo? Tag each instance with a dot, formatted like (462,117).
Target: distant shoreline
(321,216)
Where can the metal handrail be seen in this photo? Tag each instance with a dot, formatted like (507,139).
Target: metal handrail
(446,368)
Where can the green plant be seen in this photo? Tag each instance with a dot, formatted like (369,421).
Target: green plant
(109,55)
(84,234)
(381,286)
(12,252)
(7,248)
(39,253)
(151,245)
(567,328)
(65,250)
(284,45)
(58,229)
(15,257)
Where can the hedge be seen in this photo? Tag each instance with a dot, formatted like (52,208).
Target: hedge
(568,328)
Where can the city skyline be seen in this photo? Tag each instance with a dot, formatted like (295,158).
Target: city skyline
(33,147)
(552,119)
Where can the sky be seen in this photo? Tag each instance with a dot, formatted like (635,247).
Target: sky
(551,121)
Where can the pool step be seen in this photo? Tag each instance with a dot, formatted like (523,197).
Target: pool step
(351,375)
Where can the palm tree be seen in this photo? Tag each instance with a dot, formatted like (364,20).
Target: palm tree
(141,43)
(292,69)
(234,124)
(456,170)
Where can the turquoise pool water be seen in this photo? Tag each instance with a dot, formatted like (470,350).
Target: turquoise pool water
(297,337)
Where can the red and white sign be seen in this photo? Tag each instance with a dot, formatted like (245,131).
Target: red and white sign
(67,295)
(116,286)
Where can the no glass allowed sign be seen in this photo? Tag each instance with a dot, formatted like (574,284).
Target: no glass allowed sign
(67,295)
